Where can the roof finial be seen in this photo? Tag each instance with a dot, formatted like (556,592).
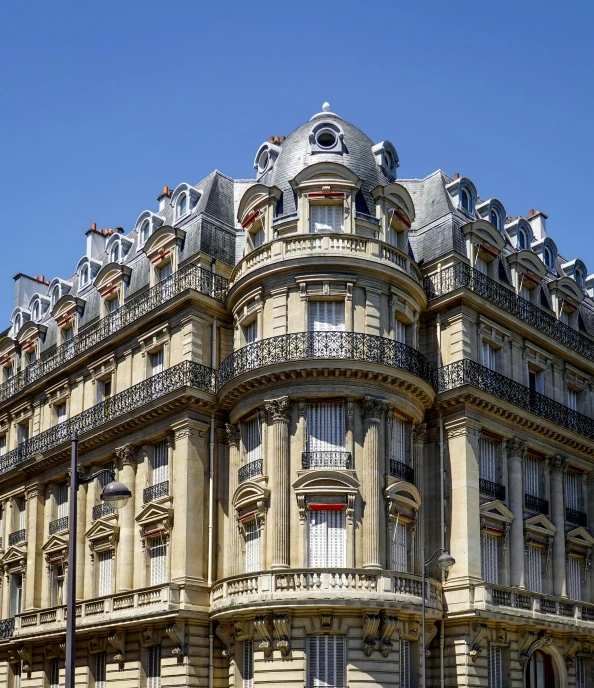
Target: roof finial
(326,107)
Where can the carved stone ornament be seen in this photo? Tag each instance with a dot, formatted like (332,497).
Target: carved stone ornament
(430,633)
(558,464)
(372,409)
(371,624)
(515,448)
(532,642)
(117,639)
(480,632)
(176,633)
(26,656)
(262,626)
(96,645)
(232,434)
(573,648)
(282,626)
(225,633)
(126,455)
(279,409)
(419,433)
(150,636)
(389,626)
(326,621)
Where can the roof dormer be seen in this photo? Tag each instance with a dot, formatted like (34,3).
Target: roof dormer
(463,193)
(57,289)
(386,157)
(117,248)
(146,224)
(184,201)
(38,307)
(520,233)
(266,156)
(576,269)
(326,136)
(18,318)
(87,270)
(492,211)
(547,250)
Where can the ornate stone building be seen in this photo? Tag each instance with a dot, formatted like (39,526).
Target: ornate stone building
(303,378)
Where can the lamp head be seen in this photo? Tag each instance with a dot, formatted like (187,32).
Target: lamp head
(446,561)
(116,495)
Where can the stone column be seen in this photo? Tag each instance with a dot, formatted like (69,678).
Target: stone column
(126,561)
(45,572)
(34,496)
(141,481)
(589,502)
(371,482)
(419,437)
(233,537)
(81,520)
(515,450)
(279,470)
(558,466)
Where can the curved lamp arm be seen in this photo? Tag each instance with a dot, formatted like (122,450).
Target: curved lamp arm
(84,480)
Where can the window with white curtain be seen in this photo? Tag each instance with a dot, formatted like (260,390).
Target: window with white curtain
(105,564)
(326,538)
(489,451)
(326,218)
(534,572)
(252,547)
(564,317)
(160,462)
(326,664)
(400,331)
(21,513)
(405,678)
(61,413)
(326,316)
(489,558)
(251,332)
(495,667)
(248,664)
(100,670)
(62,500)
(532,468)
(253,440)
(572,399)
(325,427)
(574,577)
(399,545)
(398,440)
(490,356)
(153,668)
(573,489)
(157,550)
(16,594)
(157,362)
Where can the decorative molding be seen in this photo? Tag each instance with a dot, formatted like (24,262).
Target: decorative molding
(225,633)
(117,639)
(282,625)
(371,624)
(279,409)
(177,635)
(532,642)
(515,448)
(350,417)
(419,433)
(372,409)
(558,464)
(96,645)
(26,656)
(389,625)
(262,625)
(126,455)
(481,631)
(574,647)
(430,633)
(326,624)
(233,435)
(150,636)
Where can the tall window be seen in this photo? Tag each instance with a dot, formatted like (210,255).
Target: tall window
(573,491)
(574,577)
(62,500)
(405,678)
(251,332)
(253,558)
(489,556)
(400,331)
(16,675)
(3,447)
(61,412)
(495,667)
(466,200)
(103,389)
(145,231)
(157,550)
(572,399)
(522,239)
(326,316)
(490,356)
(398,440)
(534,568)
(57,581)
(21,513)
(495,218)
(399,545)
(153,669)
(564,317)
(248,664)
(68,338)
(532,476)
(580,672)
(105,564)
(325,427)
(22,432)
(548,258)
(326,538)
(100,670)
(326,661)
(481,265)
(16,594)
(489,451)
(258,238)
(84,275)
(115,253)
(160,462)
(114,304)
(253,440)
(165,271)
(182,205)
(536,380)
(54,676)
(157,362)
(326,218)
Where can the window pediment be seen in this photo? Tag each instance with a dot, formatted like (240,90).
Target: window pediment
(528,262)
(154,519)
(102,534)
(110,276)
(66,307)
(249,493)
(496,511)
(14,559)
(580,538)
(398,201)
(402,494)
(325,482)
(253,199)
(30,332)
(313,177)
(8,348)
(565,288)
(56,547)
(162,241)
(485,234)
(540,525)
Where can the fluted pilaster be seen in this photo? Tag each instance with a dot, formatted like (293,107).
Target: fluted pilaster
(126,455)
(279,410)
(558,465)
(419,438)
(233,536)
(516,453)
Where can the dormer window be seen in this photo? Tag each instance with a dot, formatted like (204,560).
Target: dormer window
(84,275)
(496,218)
(145,231)
(115,253)
(35,314)
(326,137)
(55,295)
(579,277)
(182,205)
(466,200)
(522,239)
(549,261)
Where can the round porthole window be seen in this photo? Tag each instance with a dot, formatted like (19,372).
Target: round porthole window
(326,139)
(263,161)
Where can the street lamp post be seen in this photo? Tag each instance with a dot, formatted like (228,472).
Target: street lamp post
(116,495)
(445,563)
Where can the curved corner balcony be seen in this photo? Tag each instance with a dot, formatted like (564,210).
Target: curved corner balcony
(324,246)
(343,587)
(333,350)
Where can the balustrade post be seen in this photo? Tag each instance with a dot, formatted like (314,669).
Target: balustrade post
(558,466)
(516,453)
(127,457)
(371,482)
(233,535)
(280,409)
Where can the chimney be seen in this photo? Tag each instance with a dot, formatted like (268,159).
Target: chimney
(457,175)
(119,230)
(164,197)
(537,221)
(24,288)
(95,241)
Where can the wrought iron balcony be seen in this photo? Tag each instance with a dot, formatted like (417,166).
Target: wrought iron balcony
(588,613)
(577,517)
(250,470)
(6,628)
(536,504)
(155,492)
(462,275)
(303,346)
(188,277)
(185,374)
(58,525)
(492,490)
(402,471)
(467,372)
(102,510)
(16,537)
(327,459)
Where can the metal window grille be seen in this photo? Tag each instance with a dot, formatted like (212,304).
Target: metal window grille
(574,578)
(248,664)
(405,664)
(158,561)
(252,547)
(534,569)
(105,560)
(488,459)
(153,669)
(489,558)
(326,218)
(399,545)
(326,538)
(160,462)
(495,667)
(325,661)
(325,427)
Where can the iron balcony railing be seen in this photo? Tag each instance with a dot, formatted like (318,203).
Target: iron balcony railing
(402,471)
(327,459)
(467,372)
(491,490)
(185,374)
(58,525)
(155,492)
(16,537)
(250,470)
(188,277)
(536,504)
(102,510)
(462,275)
(6,628)
(577,517)
(302,346)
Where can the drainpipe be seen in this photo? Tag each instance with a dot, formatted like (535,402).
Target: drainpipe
(213,344)
(210,499)
(442,544)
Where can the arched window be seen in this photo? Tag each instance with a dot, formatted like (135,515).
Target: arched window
(522,239)
(17,324)
(115,253)
(55,295)
(548,258)
(35,313)
(495,218)
(182,205)
(84,275)
(145,231)
(466,200)
(579,277)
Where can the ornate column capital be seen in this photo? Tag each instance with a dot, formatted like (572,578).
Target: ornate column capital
(232,434)
(372,409)
(419,433)
(279,409)
(558,464)
(515,448)
(126,455)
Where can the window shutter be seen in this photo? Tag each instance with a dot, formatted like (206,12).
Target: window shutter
(572,490)
(154,667)
(325,661)
(534,569)
(495,667)
(248,664)
(398,440)
(326,218)
(400,331)
(100,670)
(489,562)
(317,532)
(252,547)
(325,427)
(488,458)
(574,571)
(405,664)
(399,535)
(160,462)
(62,500)
(532,477)
(326,316)
(158,561)
(105,573)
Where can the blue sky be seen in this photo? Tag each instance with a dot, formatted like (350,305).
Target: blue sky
(102,104)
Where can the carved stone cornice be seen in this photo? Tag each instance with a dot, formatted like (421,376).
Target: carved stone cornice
(372,409)
(515,448)
(279,409)
(558,464)
(126,455)
(233,435)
